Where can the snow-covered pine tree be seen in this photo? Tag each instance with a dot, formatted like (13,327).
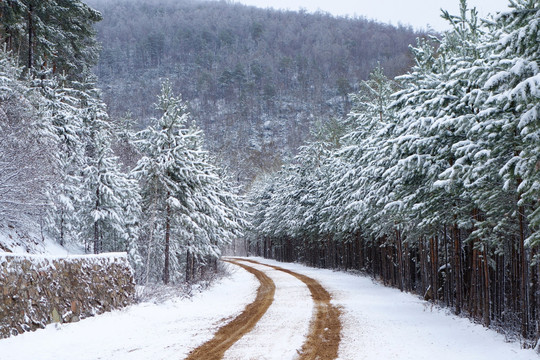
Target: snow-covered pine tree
(357,166)
(188,207)
(164,147)
(514,85)
(314,177)
(106,191)
(26,147)
(62,109)
(259,198)
(370,152)
(279,217)
(57,35)
(211,215)
(123,144)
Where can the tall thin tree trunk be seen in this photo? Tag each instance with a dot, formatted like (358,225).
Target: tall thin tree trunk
(534,301)
(514,279)
(97,244)
(400,259)
(62,242)
(523,273)
(150,243)
(423,266)
(30,36)
(501,283)
(457,268)
(473,298)
(407,267)
(188,258)
(96,238)
(487,311)
(448,278)
(383,263)
(166,270)
(433,243)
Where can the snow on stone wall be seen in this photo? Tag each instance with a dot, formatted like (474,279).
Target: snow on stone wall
(38,290)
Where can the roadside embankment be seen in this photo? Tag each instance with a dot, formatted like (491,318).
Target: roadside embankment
(38,290)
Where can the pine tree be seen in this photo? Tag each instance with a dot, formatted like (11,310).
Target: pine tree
(62,121)
(190,208)
(26,147)
(513,84)
(56,34)
(106,191)
(357,165)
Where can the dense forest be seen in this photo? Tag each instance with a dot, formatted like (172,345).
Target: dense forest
(255,79)
(432,181)
(70,173)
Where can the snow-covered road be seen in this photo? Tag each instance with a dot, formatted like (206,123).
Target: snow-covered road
(287,321)
(378,323)
(384,323)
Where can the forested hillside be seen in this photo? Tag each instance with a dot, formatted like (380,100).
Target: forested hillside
(432,182)
(255,79)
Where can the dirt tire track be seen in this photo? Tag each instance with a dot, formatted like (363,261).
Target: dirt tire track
(325,329)
(230,333)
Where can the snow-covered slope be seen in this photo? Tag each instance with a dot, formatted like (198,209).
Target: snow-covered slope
(22,241)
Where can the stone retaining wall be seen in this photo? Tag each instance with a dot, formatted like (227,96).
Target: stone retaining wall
(39,290)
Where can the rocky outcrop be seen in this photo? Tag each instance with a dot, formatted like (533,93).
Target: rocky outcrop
(39,290)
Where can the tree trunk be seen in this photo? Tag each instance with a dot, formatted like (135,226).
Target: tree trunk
(457,268)
(433,243)
(96,238)
(188,267)
(534,300)
(523,274)
(400,260)
(166,271)
(421,255)
(487,313)
(30,36)
(62,242)
(473,298)
(97,245)
(407,268)
(150,240)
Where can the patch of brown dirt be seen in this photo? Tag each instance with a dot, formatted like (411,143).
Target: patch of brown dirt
(230,333)
(325,329)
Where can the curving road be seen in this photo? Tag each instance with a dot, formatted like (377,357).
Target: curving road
(291,318)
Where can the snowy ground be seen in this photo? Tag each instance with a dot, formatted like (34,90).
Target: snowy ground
(379,323)
(141,332)
(23,241)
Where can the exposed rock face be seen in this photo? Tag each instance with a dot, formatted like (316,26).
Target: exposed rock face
(38,290)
